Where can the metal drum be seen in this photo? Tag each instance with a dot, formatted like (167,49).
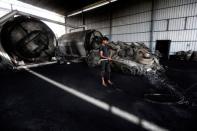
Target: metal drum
(28,40)
(78,44)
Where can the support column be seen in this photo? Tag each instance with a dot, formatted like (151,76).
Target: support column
(65,19)
(152,25)
(110,22)
(83,20)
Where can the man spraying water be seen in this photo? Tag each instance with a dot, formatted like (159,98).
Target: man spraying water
(105,61)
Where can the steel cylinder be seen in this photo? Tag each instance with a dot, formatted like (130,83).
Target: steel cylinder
(79,43)
(28,39)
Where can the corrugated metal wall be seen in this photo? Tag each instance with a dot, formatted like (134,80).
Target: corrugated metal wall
(176,20)
(147,21)
(96,19)
(132,22)
(99,19)
(77,21)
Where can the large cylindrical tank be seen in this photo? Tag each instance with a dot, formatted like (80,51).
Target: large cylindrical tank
(27,39)
(78,44)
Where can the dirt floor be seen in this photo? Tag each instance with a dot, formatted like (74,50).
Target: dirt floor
(30,103)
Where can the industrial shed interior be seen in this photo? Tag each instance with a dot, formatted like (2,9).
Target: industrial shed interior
(98,65)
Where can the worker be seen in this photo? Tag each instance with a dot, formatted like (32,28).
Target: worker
(105,59)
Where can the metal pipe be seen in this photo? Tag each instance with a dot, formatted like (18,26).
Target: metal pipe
(6,17)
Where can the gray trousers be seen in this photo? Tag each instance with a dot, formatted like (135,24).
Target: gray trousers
(105,69)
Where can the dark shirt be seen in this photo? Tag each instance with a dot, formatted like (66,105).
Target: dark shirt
(105,50)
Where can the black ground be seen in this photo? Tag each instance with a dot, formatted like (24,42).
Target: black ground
(29,103)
